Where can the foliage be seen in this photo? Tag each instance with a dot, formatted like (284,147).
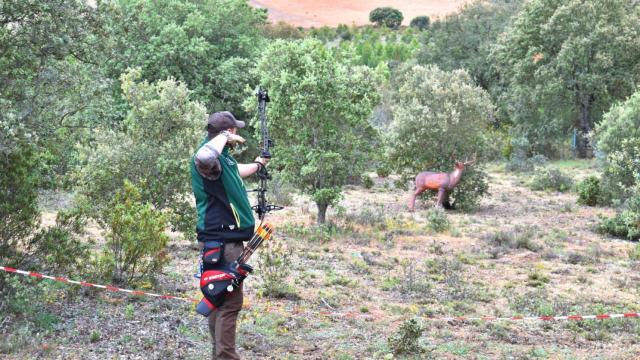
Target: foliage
(383,170)
(463,40)
(420,22)
(367,182)
(136,240)
(618,137)
(51,88)
(209,46)
(275,267)
(518,156)
(18,202)
(520,237)
(160,133)
(551,179)
(589,191)
(446,114)
(472,187)
(437,219)
(321,139)
(406,339)
(387,16)
(564,63)
(626,223)
(59,248)
(282,30)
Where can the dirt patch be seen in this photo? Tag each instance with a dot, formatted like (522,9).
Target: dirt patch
(308,13)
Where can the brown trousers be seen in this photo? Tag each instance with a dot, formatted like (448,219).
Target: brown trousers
(222,322)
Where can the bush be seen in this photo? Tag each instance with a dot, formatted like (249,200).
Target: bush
(161,131)
(420,22)
(387,16)
(275,264)
(517,153)
(18,203)
(618,137)
(367,182)
(589,191)
(520,237)
(439,116)
(472,187)
(282,30)
(135,236)
(626,223)
(383,171)
(406,339)
(437,219)
(551,179)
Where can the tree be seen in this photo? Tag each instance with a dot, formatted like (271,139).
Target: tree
(387,16)
(439,117)
(463,40)
(208,45)
(52,88)
(420,22)
(565,62)
(51,91)
(618,137)
(318,117)
(159,135)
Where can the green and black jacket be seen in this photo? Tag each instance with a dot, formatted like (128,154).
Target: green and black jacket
(224,211)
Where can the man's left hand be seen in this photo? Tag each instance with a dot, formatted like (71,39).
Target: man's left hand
(262,160)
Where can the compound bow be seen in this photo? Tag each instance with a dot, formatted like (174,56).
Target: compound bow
(263,206)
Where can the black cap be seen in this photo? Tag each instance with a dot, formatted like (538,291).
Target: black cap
(223,120)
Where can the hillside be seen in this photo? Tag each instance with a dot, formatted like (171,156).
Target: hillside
(308,13)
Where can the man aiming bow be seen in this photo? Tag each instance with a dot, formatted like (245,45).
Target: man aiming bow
(225,217)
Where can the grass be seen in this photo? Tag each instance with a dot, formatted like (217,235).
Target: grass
(359,279)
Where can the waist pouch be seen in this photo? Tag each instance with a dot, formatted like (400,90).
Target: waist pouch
(212,254)
(216,283)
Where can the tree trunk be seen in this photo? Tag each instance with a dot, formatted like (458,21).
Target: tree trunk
(322,213)
(584,126)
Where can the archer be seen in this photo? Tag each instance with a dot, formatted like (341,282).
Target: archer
(225,221)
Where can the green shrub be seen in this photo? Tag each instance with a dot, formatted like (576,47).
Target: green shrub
(406,339)
(367,182)
(517,151)
(626,223)
(136,240)
(275,264)
(281,191)
(383,171)
(156,143)
(520,237)
(618,138)
(387,16)
(18,202)
(437,219)
(472,187)
(420,22)
(431,105)
(589,191)
(551,179)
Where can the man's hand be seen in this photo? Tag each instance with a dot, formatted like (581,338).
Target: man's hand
(235,139)
(261,160)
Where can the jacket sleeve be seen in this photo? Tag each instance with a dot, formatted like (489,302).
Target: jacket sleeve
(207,162)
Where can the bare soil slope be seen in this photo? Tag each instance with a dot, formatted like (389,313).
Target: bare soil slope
(308,13)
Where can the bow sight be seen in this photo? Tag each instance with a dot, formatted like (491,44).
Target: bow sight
(263,207)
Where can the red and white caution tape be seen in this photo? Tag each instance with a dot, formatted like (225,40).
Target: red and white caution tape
(538,318)
(350,314)
(88,284)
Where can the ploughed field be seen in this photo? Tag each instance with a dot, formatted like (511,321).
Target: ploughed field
(308,13)
(350,287)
